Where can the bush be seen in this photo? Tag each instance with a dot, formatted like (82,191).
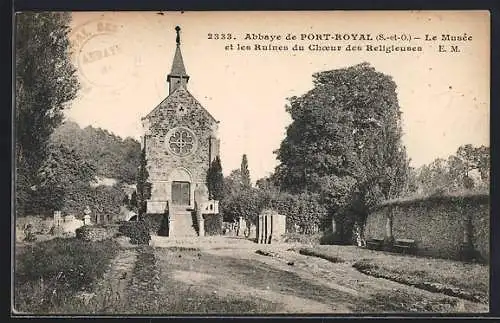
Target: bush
(213,224)
(330,238)
(95,233)
(154,222)
(76,263)
(137,231)
(301,238)
(246,203)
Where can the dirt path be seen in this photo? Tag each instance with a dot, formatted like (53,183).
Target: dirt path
(226,276)
(234,274)
(109,293)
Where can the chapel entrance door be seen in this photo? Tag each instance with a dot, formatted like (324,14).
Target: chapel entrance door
(181,193)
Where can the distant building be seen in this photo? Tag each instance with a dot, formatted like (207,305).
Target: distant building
(180,139)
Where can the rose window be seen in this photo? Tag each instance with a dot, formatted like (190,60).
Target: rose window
(181,142)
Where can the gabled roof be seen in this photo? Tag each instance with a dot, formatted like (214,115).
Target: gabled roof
(173,96)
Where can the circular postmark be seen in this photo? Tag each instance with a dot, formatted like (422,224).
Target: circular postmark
(102,56)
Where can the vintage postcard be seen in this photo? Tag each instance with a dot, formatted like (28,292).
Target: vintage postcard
(214,163)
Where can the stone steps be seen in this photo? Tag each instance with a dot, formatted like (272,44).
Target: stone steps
(182,225)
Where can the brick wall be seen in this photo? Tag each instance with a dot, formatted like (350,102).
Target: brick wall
(435,223)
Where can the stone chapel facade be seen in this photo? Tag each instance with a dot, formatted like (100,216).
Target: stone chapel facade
(180,140)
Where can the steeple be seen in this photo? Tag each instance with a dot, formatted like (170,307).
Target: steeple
(178,73)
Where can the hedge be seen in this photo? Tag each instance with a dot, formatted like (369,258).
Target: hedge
(213,224)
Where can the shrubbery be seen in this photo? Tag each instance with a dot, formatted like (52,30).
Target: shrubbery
(213,224)
(304,210)
(52,270)
(137,231)
(245,203)
(154,222)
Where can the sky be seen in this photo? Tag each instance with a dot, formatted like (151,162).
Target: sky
(123,59)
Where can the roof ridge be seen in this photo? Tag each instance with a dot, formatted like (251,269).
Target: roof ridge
(181,87)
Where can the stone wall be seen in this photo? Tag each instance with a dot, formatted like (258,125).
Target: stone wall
(481,229)
(162,164)
(437,224)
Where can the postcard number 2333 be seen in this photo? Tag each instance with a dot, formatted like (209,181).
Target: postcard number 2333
(220,36)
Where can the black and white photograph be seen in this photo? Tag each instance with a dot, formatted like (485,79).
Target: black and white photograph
(186,163)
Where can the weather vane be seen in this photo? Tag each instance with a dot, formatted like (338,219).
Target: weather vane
(178,38)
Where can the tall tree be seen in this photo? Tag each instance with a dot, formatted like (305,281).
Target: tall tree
(63,178)
(215,180)
(233,183)
(344,141)
(45,83)
(113,156)
(466,160)
(143,186)
(245,173)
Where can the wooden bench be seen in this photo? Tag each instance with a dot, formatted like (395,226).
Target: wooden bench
(404,245)
(375,243)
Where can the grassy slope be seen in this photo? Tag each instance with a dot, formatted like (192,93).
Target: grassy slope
(49,273)
(471,278)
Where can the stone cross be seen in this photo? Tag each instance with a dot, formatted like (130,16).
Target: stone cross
(178,38)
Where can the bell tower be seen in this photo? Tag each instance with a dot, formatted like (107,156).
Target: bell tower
(178,75)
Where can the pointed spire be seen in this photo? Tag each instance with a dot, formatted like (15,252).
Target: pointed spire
(178,75)
(178,68)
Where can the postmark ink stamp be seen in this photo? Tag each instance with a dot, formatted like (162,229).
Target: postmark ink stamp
(104,61)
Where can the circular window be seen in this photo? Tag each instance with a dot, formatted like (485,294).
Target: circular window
(181,141)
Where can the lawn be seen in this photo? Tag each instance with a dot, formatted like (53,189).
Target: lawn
(443,275)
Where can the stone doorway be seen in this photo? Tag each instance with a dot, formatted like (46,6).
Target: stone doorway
(181,193)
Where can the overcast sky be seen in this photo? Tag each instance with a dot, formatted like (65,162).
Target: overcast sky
(444,97)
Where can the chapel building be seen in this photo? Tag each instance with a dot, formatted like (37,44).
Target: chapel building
(180,141)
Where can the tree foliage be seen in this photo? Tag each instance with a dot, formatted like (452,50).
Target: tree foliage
(215,180)
(468,169)
(303,210)
(45,83)
(344,142)
(61,180)
(233,183)
(64,184)
(245,173)
(113,156)
(266,183)
(244,203)
(143,186)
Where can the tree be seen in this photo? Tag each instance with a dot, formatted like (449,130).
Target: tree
(435,177)
(466,160)
(344,141)
(133,201)
(245,173)
(45,83)
(63,181)
(467,169)
(143,186)
(113,156)
(266,183)
(215,180)
(233,183)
